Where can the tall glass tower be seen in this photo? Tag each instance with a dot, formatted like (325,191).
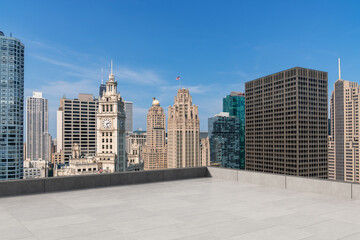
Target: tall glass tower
(234,104)
(224,140)
(11,107)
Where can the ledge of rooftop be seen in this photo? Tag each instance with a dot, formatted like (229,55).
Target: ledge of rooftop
(203,203)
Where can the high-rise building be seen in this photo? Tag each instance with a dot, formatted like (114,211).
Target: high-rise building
(129,116)
(11,107)
(102,88)
(110,129)
(234,104)
(76,123)
(155,149)
(286,123)
(37,128)
(344,158)
(224,140)
(183,132)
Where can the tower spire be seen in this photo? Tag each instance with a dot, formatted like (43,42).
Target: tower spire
(339,69)
(111,75)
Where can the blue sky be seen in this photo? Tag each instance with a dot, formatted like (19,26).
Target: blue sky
(215,46)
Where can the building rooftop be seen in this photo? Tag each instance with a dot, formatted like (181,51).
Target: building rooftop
(200,208)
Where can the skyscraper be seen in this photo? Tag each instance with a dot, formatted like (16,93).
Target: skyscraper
(110,129)
(129,116)
(234,104)
(11,107)
(76,124)
(183,132)
(155,148)
(102,87)
(344,140)
(224,141)
(37,128)
(286,123)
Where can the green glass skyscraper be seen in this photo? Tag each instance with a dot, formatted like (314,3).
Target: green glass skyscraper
(234,104)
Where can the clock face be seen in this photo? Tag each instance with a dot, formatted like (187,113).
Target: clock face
(106,123)
(122,123)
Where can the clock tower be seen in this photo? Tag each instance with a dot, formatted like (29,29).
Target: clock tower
(110,129)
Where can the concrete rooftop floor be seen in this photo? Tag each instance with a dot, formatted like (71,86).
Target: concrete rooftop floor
(204,208)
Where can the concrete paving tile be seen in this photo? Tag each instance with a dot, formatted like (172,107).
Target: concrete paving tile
(105,235)
(63,221)
(143,224)
(186,209)
(72,230)
(332,229)
(12,229)
(176,231)
(276,233)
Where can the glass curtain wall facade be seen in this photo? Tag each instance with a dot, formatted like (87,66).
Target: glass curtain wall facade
(11,108)
(234,104)
(224,140)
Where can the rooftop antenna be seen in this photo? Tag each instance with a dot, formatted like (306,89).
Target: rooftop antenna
(339,69)
(10,34)
(111,66)
(102,75)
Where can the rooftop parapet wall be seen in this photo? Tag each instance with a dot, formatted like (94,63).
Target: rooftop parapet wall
(336,189)
(302,184)
(43,185)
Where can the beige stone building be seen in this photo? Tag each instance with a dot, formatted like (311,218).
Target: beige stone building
(58,157)
(79,164)
(35,168)
(205,151)
(135,144)
(183,132)
(110,129)
(155,149)
(344,140)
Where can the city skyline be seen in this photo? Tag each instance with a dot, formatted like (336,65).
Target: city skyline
(148,55)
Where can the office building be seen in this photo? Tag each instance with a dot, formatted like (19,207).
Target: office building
(58,158)
(11,107)
(102,87)
(76,124)
(37,127)
(129,116)
(344,140)
(224,141)
(155,149)
(183,132)
(234,104)
(110,129)
(286,123)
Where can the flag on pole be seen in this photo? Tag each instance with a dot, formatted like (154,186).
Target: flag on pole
(178,78)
